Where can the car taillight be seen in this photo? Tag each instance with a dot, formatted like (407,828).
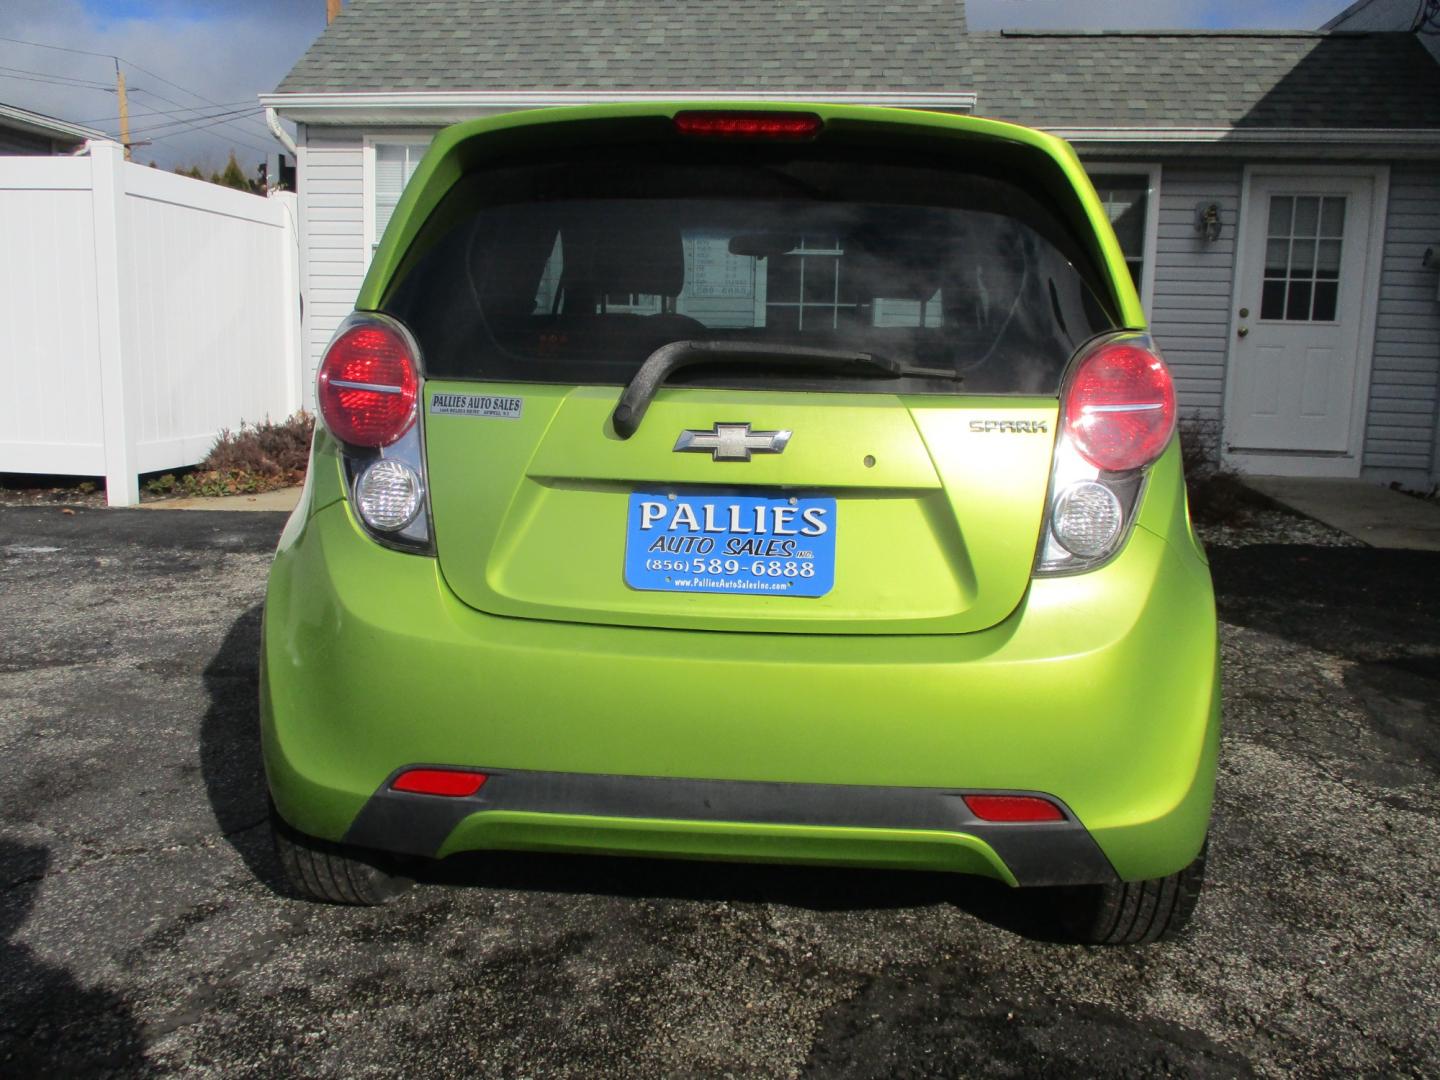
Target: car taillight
(368,386)
(748,125)
(369,395)
(1120,406)
(1117,416)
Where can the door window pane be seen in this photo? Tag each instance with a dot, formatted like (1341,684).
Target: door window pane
(1298,307)
(1281,207)
(1277,257)
(1303,248)
(1328,263)
(1302,258)
(1307,216)
(1272,300)
(1332,218)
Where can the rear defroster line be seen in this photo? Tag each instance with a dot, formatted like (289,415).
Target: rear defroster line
(1058,852)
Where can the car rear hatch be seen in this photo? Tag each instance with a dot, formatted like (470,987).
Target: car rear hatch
(893,482)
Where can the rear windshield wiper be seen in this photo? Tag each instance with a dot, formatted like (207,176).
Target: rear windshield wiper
(667,359)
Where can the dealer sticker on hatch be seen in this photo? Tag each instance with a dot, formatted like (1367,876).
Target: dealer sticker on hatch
(484,405)
(778,546)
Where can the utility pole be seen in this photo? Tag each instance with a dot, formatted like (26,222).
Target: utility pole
(332,9)
(124,110)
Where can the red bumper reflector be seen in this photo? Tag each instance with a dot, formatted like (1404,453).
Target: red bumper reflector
(439,782)
(1013,808)
(748,125)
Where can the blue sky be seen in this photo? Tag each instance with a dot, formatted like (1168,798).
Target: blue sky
(182,52)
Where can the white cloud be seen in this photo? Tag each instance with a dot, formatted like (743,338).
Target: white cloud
(228,57)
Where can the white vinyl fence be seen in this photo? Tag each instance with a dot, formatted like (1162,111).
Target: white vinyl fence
(142,312)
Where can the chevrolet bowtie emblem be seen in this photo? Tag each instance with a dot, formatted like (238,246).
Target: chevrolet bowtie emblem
(731,442)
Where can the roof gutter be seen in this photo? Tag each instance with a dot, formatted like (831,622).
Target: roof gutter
(272,121)
(446,106)
(49,127)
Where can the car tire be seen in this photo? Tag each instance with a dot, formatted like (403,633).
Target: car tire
(335,873)
(1132,912)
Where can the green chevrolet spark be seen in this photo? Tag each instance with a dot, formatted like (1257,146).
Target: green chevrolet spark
(784,484)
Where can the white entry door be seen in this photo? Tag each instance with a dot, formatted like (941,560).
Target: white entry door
(1303,302)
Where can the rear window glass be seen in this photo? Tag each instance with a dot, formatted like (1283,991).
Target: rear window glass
(574,269)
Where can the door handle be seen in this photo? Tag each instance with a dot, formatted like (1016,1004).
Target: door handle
(1243,331)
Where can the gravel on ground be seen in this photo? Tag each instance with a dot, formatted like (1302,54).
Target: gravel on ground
(144,928)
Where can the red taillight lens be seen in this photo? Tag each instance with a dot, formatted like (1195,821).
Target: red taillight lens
(1120,407)
(452,782)
(1013,808)
(749,125)
(368,386)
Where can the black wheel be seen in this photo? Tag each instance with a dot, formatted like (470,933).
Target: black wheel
(1132,912)
(336,873)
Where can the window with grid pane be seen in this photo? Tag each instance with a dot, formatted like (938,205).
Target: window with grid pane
(807,287)
(1126,200)
(1302,258)
(394,165)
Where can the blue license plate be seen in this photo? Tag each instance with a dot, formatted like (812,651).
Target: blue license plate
(765,546)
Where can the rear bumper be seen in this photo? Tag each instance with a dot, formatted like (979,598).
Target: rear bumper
(1100,691)
(738,819)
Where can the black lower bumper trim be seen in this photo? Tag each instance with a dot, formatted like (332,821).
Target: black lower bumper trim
(1037,853)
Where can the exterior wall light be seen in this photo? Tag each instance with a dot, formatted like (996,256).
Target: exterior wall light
(1207,221)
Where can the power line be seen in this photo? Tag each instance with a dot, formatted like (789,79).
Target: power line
(172,101)
(56,77)
(62,48)
(185,121)
(164,112)
(200,128)
(137,67)
(52,82)
(232,141)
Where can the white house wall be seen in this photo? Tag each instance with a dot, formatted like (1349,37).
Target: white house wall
(1401,423)
(330,175)
(1190,312)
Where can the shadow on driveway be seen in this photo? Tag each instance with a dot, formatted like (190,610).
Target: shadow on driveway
(1020,911)
(51,1025)
(1377,608)
(230,760)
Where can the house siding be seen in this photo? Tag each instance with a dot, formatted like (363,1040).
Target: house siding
(1401,418)
(332,222)
(1190,310)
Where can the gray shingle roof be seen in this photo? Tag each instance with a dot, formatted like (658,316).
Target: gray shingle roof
(729,45)
(1206,79)
(1048,79)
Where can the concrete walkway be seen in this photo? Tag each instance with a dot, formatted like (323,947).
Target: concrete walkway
(284,500)
(1370,513)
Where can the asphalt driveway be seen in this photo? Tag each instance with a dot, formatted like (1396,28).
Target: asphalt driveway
(143,926)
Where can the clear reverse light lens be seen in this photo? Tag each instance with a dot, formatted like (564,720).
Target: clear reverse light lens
(388,495)
(1087,519)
